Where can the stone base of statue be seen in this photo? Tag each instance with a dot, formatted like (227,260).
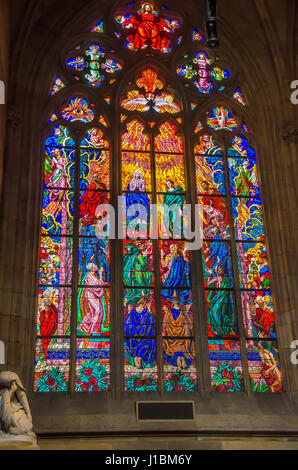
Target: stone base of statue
(16,428)
(11,442)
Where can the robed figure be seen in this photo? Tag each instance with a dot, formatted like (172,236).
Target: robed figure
(93,250)
(48,322)
(147,29)
(178,280)
(137,201)
(173,202)
(136,271)
(221,310)
(139,330)
(179,349)
(93,313)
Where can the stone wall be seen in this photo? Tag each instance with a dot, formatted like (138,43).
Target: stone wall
(4,64)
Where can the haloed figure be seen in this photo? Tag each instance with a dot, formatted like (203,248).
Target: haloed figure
(148,29)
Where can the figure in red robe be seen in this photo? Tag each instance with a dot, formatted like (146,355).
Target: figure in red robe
(148,29)
(91,200)
(48,321)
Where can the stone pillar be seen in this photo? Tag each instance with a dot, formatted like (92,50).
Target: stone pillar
(4,65)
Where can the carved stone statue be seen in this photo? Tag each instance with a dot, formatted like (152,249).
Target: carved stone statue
(15,415)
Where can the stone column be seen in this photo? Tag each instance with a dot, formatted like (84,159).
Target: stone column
(4,65)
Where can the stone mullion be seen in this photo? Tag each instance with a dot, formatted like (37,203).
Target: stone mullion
(157,280)
(75,277)
(117,310)
(236,278)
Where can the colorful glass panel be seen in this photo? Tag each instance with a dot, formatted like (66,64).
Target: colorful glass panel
(140,349)
(95,214)
(199,71)
(55,261)
(94,252)
(135,137)
(136,172)
(240,148)
(238,96)
(243,177)
(197,36)
(53,311)
(210,175)
(169,214)
(94,304)
(259,321)
(215,217)
(140,298)
(98,28)
(138,263)
(180,372)
(263,366)
(147,29)
(245,128)
(175,271)
(102,120)
(94,170)
(217,266)
(58,168)
(222,321)
(93,365)
(92,63)
(220,119)
(253,265)
(58,85)
(167,140)
(57,212)
(51,365)
(248,218)
(53,118)
(77,109)
(199,127)
(170,177)
(153,97)
(141,382)
(176,320)
(225,366)
(207,146)
(60,137)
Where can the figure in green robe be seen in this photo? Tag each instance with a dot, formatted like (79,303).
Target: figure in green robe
(221,309)
(136,272)
(243,180)
(173,202)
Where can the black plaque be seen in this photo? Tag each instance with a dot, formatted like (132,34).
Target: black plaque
(165,410)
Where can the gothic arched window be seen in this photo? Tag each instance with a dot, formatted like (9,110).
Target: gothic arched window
(123,303)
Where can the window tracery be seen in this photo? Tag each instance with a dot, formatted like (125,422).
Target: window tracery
(152,310)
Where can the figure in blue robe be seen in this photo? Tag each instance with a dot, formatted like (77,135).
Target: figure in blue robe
(137,196)
(139,330)
(93,250)
(178,281)
(220,254)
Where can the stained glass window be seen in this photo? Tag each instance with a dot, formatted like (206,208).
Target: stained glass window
(146,120)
